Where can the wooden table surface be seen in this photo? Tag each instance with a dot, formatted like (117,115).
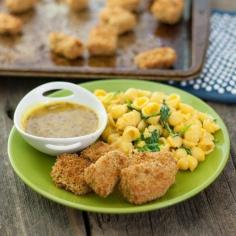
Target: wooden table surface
(24,212)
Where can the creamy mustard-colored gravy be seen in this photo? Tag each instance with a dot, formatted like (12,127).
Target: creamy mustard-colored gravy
(60,120)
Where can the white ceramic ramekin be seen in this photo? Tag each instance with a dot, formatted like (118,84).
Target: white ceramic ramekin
(55,146)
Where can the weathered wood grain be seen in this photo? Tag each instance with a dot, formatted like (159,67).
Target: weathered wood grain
(22,211)
(212,212)
(223,4)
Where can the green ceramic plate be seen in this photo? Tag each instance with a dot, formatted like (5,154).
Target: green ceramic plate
(34,167)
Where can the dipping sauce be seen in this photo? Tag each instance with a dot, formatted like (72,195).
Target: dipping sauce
(60,120)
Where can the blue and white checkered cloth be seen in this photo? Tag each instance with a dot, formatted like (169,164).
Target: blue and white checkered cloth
(217,81)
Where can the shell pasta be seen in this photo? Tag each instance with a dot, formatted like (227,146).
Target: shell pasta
(145,121)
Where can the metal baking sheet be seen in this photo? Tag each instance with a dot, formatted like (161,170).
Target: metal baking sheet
(28,54)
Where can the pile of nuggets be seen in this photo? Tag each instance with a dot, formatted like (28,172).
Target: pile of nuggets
(141,177)
(116,18)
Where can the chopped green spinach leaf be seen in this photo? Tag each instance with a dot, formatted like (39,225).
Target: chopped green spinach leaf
(187,149)
(151,143)
(165,113)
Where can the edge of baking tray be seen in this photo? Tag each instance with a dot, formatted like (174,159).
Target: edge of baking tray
(200,33)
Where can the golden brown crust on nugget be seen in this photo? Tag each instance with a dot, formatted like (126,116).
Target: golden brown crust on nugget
(104,174)
(68,173)
(148,179)
(77,5)
(168,11)
(163,57)
(10,24)
(119,18)
(102,41)
(19,6)
(65,45)
(96,150)
(163,157)
(130,5)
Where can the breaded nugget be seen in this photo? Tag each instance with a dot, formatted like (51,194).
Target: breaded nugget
(163,58)
(163,157)
(104,174)
(65,45)
(148,180)
(96,150)
(77,5)
(130,5)
(168,11)
(119,18)
(68,173)
(10,24)
(102,41)
(19,6)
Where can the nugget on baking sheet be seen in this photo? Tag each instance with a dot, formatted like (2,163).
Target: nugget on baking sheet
(147,181)
(102,41)
(162,58)
(96,150)
(68,173)
(119,18)
(168,11)
(10,24)
(130,5)
(77,5)
(103,175)
(19,6)
(65,45)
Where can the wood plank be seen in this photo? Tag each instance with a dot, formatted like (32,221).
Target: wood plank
(22,211)
(212,212)
(224,4)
